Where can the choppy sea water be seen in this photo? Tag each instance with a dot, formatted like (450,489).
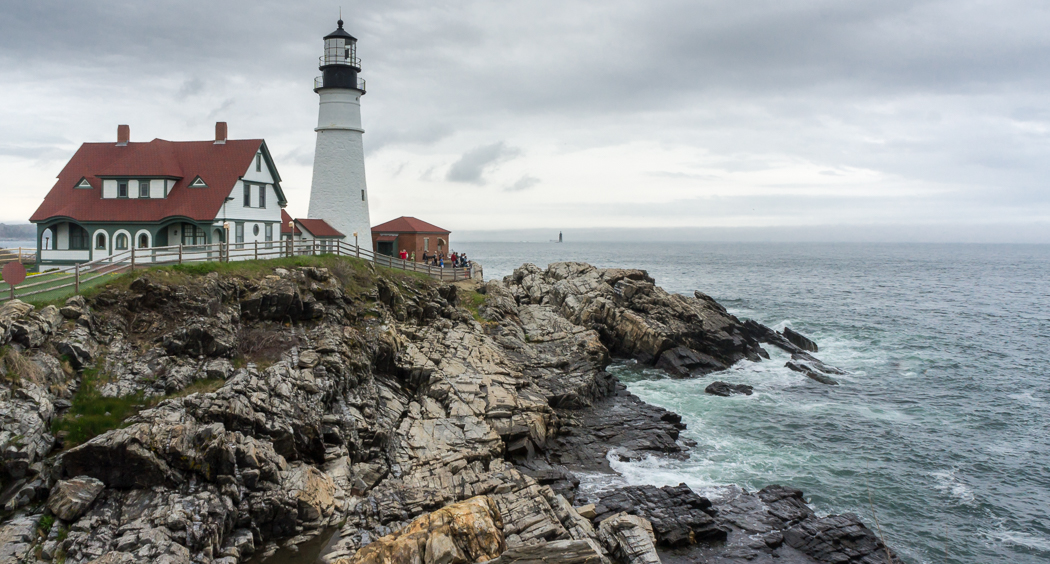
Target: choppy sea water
(942,428)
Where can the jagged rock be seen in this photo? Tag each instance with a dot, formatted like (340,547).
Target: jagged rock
(838,539)
(33,329)
(386,404)
(10,312)
(16,538)
(70,498)
(682,361)
(815,369)
(725,389)
(799,340)
(75,307)
(678,515)
(630,538)
(468,531)
(79,346)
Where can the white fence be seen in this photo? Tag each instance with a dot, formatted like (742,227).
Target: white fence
(76,275)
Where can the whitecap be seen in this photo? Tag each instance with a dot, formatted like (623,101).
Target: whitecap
(949,483)
(1036,542)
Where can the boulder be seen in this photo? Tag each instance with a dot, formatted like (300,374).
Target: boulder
(70,498)
(682,361)
(630,538)
(725,389)
(10,312)
(799,340)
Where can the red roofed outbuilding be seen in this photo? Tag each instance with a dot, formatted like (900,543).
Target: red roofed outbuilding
(411,235)
(110,196)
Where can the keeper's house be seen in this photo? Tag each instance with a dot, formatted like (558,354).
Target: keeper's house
(111,196)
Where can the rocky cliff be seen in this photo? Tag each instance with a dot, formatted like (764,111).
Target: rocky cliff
(178,416)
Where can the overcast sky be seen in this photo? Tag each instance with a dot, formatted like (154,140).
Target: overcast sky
(564,114)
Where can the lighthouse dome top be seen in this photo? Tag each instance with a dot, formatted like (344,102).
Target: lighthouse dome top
(341,33)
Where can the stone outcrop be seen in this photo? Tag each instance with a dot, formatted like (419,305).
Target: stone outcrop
(465,532)
(337,397)
(725,389)
(799,340)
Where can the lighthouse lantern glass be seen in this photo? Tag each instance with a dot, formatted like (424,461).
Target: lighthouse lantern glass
(338,51)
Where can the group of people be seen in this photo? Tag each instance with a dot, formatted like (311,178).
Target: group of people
(456,260)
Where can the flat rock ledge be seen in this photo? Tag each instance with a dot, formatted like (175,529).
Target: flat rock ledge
(425,423)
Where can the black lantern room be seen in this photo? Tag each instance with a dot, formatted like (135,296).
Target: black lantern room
(339,65)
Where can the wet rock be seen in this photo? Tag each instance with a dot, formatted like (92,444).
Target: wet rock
(70,498)
(678,515)
(682,361)
(838,539)
(799,340)
(813,368)
(725,389)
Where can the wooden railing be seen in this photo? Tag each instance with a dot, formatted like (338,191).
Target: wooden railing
(24,254)
(124,261)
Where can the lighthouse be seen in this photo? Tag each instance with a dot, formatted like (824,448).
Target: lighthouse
(338,193)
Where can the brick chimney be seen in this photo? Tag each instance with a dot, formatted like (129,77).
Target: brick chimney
(220,133)
(123,135)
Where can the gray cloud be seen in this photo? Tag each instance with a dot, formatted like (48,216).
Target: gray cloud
(470,167)
(523,183)
(946,96)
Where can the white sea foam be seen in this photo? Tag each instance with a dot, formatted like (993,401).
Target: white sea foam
(948,482)
(1036,542)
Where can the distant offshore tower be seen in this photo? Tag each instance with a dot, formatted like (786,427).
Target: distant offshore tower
(338,193)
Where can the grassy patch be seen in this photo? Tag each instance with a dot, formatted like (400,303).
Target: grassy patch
(473,301)
(45,524)
(93,414)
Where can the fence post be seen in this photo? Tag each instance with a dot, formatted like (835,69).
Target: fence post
(76,278)
(256,249)
(133,257)
(180,253)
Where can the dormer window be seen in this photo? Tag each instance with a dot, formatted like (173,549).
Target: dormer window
(198,183)
(83,184)
(143,188)
(122,188)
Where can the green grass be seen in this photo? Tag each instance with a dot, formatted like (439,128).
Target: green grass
(45,524)
(92,414)
(356,275)
(473,301)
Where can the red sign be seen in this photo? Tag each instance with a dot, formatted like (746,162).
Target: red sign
(14,273)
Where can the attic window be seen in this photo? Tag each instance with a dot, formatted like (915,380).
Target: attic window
(198,183)
(83,184)
(258,162)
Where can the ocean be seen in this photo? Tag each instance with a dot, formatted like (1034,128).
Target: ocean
(941,430)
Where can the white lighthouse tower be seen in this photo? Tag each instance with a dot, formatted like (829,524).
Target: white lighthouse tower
(338,193)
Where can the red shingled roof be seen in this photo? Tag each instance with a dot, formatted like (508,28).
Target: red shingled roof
(285,230)
(220,166)
(318,228)
(405,224)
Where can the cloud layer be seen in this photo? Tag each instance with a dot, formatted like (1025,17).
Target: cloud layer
(670,114)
